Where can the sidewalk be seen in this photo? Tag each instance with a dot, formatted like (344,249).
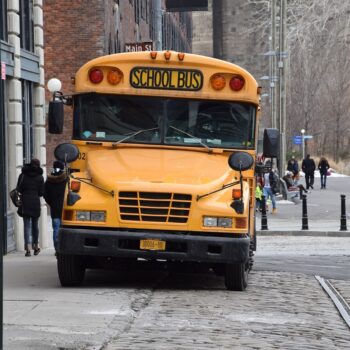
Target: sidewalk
(323,211)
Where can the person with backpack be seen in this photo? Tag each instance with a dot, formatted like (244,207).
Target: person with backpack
(270,188)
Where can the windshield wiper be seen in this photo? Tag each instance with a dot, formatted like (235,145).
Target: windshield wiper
(192,137)
(133,134)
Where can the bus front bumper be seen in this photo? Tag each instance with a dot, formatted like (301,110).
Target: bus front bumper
(178,246)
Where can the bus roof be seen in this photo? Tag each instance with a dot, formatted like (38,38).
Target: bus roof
(167,73)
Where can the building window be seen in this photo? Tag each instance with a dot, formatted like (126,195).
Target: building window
(27,121)
(27,25)
(3,20)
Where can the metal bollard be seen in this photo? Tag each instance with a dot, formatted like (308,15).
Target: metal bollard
(300,193)
(305,224)
(343,214)
(263,214)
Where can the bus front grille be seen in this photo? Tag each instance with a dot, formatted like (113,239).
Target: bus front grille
(154,207)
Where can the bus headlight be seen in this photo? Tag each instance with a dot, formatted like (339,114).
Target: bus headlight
(99,216)
(209,221)
(225,222)
(84,215)
(213,221)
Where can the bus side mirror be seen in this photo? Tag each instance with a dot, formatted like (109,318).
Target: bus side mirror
(271,143)
(240,161)
(66,152)
(56,115)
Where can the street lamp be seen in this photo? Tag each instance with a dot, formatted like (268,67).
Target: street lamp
(303,142)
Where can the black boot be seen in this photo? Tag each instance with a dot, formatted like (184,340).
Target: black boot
(36,249)
(27,250)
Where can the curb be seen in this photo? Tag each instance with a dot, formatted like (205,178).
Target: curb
(304,233)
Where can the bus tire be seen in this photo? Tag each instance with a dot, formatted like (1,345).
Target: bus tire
(71,270)
(236,276)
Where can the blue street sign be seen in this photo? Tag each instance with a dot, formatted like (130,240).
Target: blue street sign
(297,140)
(308,137)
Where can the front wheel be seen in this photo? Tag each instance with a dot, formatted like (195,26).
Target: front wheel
(71,270)
(236,276)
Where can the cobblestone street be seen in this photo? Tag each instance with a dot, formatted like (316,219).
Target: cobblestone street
(278,311)
(282,308)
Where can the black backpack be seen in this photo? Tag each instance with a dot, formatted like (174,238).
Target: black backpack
(273,182)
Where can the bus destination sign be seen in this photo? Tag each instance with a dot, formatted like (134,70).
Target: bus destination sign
(166,78)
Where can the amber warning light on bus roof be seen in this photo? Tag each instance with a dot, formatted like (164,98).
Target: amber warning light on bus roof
(218,82)
(114,76)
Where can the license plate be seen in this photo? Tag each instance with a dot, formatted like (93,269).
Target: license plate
(152,244)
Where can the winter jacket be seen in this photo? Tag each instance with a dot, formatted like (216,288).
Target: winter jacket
(55,186)
(323,167)
(293,166)
(308,166)
(258,193)
(31,185)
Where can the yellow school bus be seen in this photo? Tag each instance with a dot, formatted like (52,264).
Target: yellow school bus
(161,165)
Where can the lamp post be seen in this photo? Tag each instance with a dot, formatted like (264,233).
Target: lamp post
(302,142)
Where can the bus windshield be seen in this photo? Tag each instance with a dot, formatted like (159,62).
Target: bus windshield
(164,121)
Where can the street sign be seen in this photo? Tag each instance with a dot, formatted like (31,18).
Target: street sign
(297,140)
(135,47)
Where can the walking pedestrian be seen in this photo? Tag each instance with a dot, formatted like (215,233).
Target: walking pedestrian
(31,186)
(323,167)
(270,185)
(55,186)
(308,166)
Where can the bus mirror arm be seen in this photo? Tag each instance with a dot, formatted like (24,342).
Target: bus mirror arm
(238,204)
(91,184)
(220,189)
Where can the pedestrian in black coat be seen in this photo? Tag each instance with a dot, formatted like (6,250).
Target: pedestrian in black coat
(308,165)
(55,186)
(323,167)
(31,186)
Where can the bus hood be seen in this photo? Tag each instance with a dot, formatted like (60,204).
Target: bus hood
(132,165)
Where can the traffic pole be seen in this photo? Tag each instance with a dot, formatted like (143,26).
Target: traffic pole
(343,226)
(305,223)
(158,24)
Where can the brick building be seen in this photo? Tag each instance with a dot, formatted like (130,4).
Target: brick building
(78,31)
(22,101)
